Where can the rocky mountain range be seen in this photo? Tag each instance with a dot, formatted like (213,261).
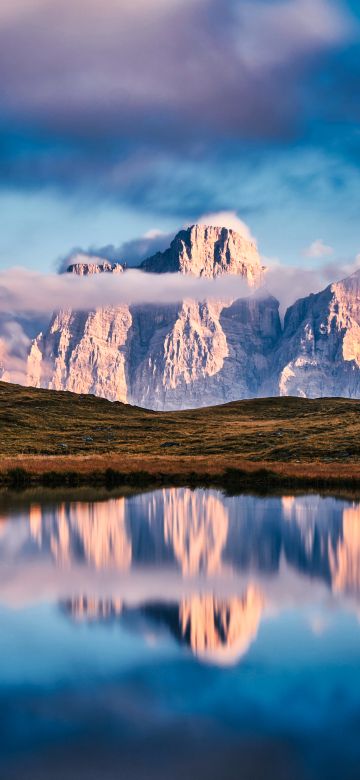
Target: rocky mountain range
(195,354)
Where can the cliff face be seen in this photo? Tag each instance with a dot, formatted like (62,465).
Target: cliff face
(197,354)
(84,352)
(166,357)
(319,352)
(201,353)
(209,252)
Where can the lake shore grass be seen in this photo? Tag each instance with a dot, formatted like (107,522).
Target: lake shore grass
(20,472)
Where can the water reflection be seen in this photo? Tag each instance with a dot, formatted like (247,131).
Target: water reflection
(180,633)
(96,532)
(206,566)
(197,532)
(217,630)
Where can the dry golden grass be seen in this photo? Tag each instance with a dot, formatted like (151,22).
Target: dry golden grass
(293,438)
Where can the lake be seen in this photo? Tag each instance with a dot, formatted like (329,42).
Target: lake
(179,634)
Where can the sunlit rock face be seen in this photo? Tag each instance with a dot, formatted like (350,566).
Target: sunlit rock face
(210,252)
(81,268)
(84,352)
(202,354)
(3,360)
(167,356)
(319,353)
(194,354)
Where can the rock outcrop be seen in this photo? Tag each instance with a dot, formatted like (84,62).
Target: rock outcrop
(84,268)
(210,252)
(319,352)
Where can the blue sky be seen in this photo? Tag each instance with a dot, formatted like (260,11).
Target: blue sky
(120,118)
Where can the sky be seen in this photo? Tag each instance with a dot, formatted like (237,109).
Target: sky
(124,120)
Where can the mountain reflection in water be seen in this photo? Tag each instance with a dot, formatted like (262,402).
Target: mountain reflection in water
(215,629)
(230,553)
(199,533)
(142,596)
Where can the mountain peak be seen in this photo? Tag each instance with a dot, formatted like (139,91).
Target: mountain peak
(202,250)
(86,267)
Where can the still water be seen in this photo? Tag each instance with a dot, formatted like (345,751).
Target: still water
(179,634)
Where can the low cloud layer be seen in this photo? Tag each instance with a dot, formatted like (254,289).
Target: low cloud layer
(23,292)
(27,298)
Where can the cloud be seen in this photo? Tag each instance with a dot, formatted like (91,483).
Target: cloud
(15,337)
(289,283)
(137,250)
(279,33)
(117,98)
(143,63)
(340,269)
(28,298)
(318,249)
(131,252)
(14,349)
(23,292)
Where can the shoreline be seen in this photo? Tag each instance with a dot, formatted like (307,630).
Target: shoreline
(200,471)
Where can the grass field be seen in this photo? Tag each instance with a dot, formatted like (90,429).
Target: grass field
(43,431)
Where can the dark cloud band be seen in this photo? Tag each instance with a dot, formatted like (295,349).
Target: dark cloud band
(151,101)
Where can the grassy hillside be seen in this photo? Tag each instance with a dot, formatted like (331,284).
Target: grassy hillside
(48,430)
(45,422)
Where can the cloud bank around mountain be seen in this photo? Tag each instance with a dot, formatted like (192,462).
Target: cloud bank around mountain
(28,298)
(24,292)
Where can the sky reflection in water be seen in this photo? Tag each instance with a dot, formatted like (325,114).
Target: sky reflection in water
(180,633)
